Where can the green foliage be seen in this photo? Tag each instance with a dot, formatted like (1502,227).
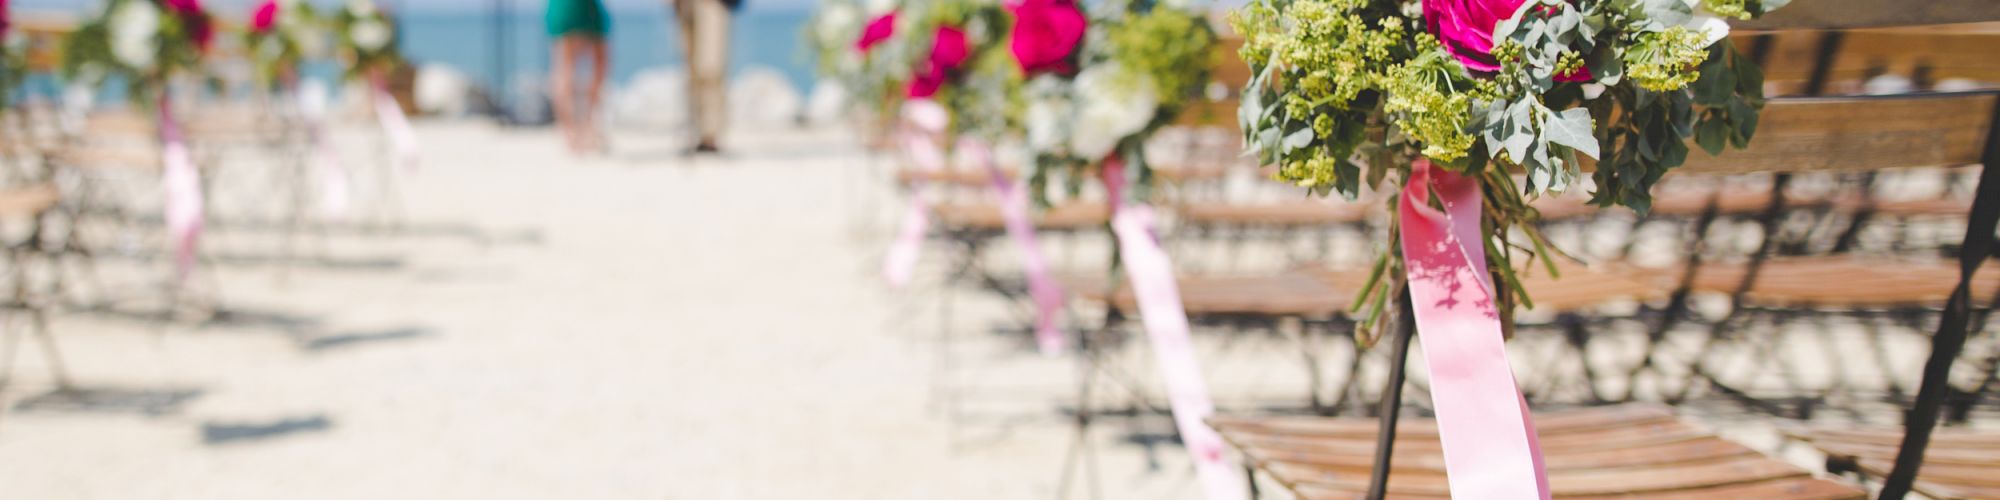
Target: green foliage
(1347,92)
(137,40)
(280,50)
(367,38)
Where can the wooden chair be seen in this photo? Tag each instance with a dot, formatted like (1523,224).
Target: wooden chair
(1630,452)
(1960,465)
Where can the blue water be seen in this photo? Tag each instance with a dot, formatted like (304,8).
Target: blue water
(641,39)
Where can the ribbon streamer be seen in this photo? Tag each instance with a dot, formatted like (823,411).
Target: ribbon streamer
(402,139)
(334,184)
(1042,288)
(1166,323)
(184,204)
(1490,446)
(924,123)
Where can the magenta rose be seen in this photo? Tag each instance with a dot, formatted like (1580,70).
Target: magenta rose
(876,32)
(1046,33)
(949,50)
(265,18)
(6,19)
(1466,28)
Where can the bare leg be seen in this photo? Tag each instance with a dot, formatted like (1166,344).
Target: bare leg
(562,67)
(599,52)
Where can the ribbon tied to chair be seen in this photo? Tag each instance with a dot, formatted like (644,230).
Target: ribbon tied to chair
(1490,447)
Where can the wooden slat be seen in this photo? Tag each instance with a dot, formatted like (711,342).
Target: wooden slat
(1566,483)
(1294,294)
(1939,486)
(1788,489)
(28,201)
(952,176)
(1855,134)
(1583,419)
(1842,281)
(987,216)
(1850,14)
(1303,213)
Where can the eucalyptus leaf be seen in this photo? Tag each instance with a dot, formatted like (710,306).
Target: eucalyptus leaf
(1712,135)
(1571,128)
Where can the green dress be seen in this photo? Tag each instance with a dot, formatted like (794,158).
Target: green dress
(577,17)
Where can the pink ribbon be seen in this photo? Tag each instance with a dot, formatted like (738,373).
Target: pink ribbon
(1042,288)
(1490,447)
(402,138)
(1159,298)
(924,122)
(334,186)
(182,182)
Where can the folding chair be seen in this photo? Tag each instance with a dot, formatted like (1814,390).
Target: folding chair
(1630,451)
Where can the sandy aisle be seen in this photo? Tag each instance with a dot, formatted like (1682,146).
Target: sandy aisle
(633,327)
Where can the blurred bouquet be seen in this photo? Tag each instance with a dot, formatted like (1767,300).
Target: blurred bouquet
(143,42)
(367,38)
(1347,91)
(13,57)
(857,46)
(281,34)
(1099,84)
(956,60)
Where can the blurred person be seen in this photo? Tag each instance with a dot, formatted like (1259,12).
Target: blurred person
(704,27)
(579,28)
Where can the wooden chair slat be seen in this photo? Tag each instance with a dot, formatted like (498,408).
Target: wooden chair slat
(1850,14)
(1860,133)
(1788,489)
(1929,484)
(28,201)
(1551,424)
(1566,483)
(1345,455)
(987,216)
(1297,213)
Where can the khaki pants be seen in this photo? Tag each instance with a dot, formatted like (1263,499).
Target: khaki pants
(704,26)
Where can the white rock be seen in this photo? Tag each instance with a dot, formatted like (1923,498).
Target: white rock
(764,97)
(654,99)
(442,90)
(828,103)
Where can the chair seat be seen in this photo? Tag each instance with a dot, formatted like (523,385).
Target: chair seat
(1582,287)
(987,216)
(1959,464)
(1848,282)
(1304,293)
(1630,451)
(952,176)
(28,201)
(108,157)
(1287,214)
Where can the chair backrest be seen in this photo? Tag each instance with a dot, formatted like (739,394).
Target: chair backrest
(1862,133)
(1924,57)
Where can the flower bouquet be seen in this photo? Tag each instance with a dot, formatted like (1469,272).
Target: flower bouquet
(1473,108)
(1099,93)
(1347,92)
(13,58)
(281,34)
(367,39)
(142,42)
(857,48)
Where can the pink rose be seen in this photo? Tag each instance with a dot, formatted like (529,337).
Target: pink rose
(6,19)
(265,18)
(877,31)
(183,7)
(949,50)
(1046,33)
(1466,28)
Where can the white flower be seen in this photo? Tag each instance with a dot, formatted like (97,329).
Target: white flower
(135,28)
(361,8)
(1114,105)
(838,22)
(1712,28)
(1592,90)
(876,8)
(1045,124)
(370,34)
